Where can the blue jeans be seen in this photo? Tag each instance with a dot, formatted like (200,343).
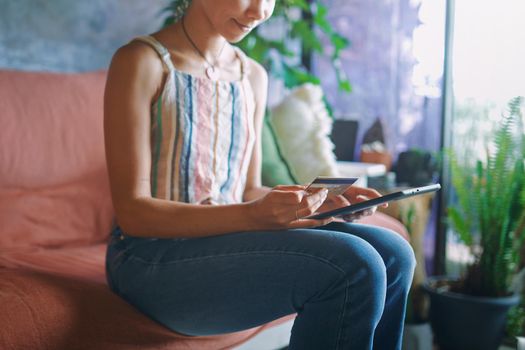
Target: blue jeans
(348,283)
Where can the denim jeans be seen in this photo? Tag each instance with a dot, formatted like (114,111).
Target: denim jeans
(348,283)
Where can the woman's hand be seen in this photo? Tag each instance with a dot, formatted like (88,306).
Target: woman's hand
(285,207)
(354,194)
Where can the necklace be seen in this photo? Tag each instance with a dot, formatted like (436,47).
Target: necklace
(211,72)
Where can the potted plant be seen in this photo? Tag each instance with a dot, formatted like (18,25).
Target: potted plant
(489,218)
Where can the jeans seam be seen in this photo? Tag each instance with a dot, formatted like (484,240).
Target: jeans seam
(260,252)
(342,315)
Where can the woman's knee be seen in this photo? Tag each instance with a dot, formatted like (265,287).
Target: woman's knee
(361,262)
(402,259)
(395,252)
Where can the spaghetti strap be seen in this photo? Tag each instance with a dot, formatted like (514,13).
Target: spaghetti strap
(159,48)
(243,59)
(246,86)
(168,91)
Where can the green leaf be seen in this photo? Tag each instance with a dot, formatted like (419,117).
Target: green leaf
(460,226)
(345,85)
(302,4)
(296,76)
(320,19)
(280,47)
(342,80)
(490,200)
(340,43)
(309,39)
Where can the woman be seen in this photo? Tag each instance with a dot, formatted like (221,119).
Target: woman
(201,246)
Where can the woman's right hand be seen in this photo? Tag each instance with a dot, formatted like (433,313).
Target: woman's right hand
(286,207)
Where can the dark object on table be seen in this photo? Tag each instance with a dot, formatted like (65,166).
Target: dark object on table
(415,168)
(373,148)
(344,135)
(375,133)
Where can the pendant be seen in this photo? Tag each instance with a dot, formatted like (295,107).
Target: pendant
(212,73)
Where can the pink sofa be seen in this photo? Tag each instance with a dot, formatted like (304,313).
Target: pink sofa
(55,217)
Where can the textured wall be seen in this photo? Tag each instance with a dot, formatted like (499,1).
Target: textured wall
(380,63)
(65,35)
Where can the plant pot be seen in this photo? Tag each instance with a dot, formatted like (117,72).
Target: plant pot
(417,337)
(521,343)
(464,322)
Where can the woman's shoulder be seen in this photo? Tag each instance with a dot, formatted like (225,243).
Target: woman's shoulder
(255,70)
(136,65)
(137,54)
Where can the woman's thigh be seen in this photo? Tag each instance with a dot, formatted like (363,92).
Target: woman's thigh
(235,281)
(394,249)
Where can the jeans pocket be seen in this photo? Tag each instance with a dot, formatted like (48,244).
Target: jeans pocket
(116,256)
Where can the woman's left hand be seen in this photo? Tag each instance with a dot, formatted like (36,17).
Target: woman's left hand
(354,194)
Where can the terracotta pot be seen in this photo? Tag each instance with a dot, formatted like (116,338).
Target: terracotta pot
(378,158)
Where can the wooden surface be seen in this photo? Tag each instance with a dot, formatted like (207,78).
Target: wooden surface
(421,206)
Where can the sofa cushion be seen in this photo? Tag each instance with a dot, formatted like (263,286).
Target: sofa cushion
(275,169)
(302,126)
(82,263)
(46,311)
(53,184)
(58,299)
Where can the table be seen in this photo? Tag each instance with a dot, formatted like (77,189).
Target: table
(360,170)
(421,206)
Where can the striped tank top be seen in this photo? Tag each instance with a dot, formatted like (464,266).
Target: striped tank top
(202,135)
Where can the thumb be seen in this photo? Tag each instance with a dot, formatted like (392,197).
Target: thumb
(289,187)
(361,198)
(340,201)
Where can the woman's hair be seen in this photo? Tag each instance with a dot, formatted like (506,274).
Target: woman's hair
(179,8)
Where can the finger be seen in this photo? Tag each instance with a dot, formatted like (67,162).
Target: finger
(289,197)
(306,223)
(315,190)
(370,211)
(289,187)
(311,203)
(340,201)
(371,193)
(358,215)
(368,192)
(361,198)
(349,218)
(339,219)
(316,197)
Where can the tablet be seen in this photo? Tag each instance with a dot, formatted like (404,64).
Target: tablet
(376,201)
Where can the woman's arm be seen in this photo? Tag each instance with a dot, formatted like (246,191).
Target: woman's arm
(134,80)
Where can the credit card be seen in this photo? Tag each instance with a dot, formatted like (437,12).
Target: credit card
(335,185)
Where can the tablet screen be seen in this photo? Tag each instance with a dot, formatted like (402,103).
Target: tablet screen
(376,201)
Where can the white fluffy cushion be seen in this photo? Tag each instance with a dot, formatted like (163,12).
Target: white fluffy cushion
(302,126)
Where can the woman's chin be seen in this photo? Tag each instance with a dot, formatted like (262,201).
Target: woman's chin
(235,38)
(236,33)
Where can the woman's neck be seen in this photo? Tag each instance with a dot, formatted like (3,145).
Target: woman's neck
(202,33)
